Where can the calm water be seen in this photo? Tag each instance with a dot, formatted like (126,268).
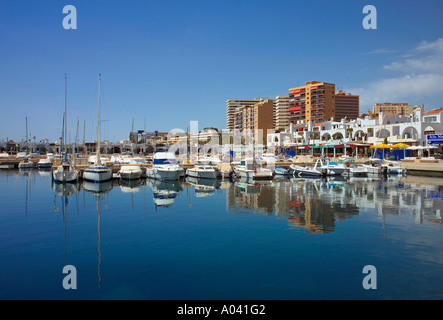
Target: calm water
(297,239)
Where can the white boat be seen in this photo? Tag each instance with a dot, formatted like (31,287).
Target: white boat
(26,164)
(203,171)
(331,167)
(282,171)
(253,169)
(164,192)
(97,172)
(130,172)
(394,168)
(93,159)
(65,173)
(164,167)
(356,171)
(4,155)
(22,155)
(44,163)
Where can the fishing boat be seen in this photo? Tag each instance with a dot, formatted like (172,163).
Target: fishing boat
(164,167)
(253,169)
(130,172)
(98,172)
(203,171)
(66,171)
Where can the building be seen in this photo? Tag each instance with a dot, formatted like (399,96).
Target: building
(281,113)
(313,102)
(233,104)
(346,106)
(390,109)
(255,117)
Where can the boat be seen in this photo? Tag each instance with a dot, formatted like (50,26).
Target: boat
(44,163)
(98,172)
(332,168)
(282,171)
(203,171)
(93,159)
(164,167)
(374,167)
(164,192)
(130,172)
(65,172)
(394,168)
(253,169)
(26,163)
(355,171)
(299,171)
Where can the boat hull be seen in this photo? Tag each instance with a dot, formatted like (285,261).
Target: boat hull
(202,174)
(163,174)
(97,175)
(66,176)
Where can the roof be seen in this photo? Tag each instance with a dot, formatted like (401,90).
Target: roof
(435,111)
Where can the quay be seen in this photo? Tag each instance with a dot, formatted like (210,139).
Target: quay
(419,167)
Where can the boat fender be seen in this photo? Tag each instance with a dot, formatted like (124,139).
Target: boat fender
(348,164)
(257,185)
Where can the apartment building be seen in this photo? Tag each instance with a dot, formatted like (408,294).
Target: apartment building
(390,109)
(233,104)
(281,113)
(255,117)
(346,106)
(313,102)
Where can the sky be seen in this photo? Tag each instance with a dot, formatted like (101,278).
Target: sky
(166,63)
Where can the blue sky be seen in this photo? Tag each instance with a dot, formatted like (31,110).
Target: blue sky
(172,62)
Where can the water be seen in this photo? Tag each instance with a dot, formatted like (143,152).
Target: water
(285,239)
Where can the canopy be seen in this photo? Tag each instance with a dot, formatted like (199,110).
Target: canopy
(401,146)
(381,146)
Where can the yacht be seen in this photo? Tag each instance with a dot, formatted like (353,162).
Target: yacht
(130,172)
(164,167)
(98,172)
(26,163)
(44,163)
(332,168)
(253,169)
(299,171)
(203,171)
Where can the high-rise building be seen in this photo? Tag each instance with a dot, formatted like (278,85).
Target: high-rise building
(281,113)
(233,104)
(390,109)
(313,102)
(255,117)
(346,106)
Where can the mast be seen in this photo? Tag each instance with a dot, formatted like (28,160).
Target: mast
(98,133)
(66,114)
(27,142)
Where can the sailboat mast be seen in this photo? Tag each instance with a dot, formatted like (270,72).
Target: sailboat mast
(27,142)
(66,114)
(98,133)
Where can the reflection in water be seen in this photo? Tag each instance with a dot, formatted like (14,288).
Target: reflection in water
(317,205)
(164,192)
(204,187)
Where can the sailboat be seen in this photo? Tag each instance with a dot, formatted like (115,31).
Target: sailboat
(98,172)
(66,171)
(26,163)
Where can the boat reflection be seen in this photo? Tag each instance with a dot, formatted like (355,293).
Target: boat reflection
(203,187)
(164,192)
(65,189)
(318,205)
(97,187)
(131,185)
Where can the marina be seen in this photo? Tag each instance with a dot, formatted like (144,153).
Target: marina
(296,238)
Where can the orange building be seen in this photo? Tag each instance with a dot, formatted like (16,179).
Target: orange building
(313,102)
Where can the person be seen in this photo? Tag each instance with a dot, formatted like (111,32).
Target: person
(232,172)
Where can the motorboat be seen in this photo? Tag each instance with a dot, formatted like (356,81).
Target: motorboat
(93,159)
(355,171)
(164,167)
(4,155)
(253,169)
(374,167)
(44,163)
(98,172)
(203,171)
(394,168)
(299,171)
(332,168)
(164,192)
(26,164)
(282,171)
(130,172)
